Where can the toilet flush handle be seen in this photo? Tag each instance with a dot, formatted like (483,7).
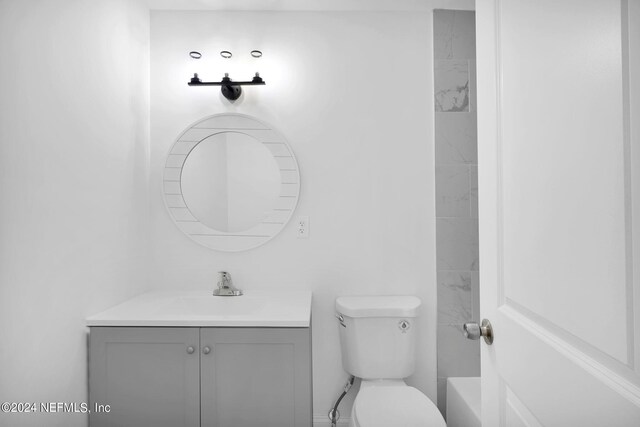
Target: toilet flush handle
(473,331)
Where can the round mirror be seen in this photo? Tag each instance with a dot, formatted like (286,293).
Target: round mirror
(231,182)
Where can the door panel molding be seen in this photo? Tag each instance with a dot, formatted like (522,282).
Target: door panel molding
(623,346)
(631,44)
(628,168)
(602,392)
(578,345)
(615,379)
(516,412)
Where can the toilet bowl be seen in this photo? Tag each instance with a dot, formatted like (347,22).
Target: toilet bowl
(394,405)
(377,338)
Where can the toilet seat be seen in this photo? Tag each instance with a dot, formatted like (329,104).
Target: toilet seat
(397,406)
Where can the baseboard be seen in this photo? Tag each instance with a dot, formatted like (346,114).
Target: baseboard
(323,421)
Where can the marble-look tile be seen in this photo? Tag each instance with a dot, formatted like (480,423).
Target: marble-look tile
(454,34)
(457,356)
(464,35)
(442,396)
(452,191)
(473,191)
(456,138)
(457,243)
(473,91)
(454,297)
(475,296)
(451,82)
(443,23)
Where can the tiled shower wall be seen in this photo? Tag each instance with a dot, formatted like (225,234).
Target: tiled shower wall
(456,194)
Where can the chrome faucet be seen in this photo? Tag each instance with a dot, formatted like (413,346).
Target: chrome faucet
(225,286)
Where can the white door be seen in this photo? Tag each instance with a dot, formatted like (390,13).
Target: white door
(559,181)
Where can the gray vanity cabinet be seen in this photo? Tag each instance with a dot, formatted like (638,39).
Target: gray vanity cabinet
(209,377)
(255,377)
(150,377)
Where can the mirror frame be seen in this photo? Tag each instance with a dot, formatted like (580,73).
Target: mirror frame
(274,221)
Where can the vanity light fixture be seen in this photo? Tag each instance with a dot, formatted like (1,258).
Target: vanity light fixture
(230,89)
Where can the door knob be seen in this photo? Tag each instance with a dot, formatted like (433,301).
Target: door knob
(473,331)
(191,349)
(206,350)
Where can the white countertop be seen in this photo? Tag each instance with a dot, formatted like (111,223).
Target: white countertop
(273,308)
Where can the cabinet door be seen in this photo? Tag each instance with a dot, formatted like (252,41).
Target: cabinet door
(150,377)
(255,377)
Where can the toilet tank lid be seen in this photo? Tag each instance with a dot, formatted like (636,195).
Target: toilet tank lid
(378,306)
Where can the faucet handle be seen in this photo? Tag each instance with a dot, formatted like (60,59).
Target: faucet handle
(225,285)
(224,280)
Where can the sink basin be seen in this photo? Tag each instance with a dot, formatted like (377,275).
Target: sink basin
(276,308)
(245,305)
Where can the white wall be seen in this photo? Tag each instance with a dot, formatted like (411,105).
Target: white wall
(353,93)
(73,188)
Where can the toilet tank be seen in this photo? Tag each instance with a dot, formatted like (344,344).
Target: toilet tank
(377,335)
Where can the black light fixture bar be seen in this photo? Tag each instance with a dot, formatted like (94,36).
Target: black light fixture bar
(230,89)
(232,83)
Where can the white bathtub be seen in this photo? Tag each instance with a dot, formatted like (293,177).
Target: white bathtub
(463,402)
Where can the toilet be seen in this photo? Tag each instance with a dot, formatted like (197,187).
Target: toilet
(377,337)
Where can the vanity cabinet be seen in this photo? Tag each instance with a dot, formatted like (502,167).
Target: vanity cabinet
(200,376)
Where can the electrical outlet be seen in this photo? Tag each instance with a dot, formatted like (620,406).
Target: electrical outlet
(303,227)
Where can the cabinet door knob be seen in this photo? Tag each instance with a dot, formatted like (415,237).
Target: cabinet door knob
(206,350)
(191,349)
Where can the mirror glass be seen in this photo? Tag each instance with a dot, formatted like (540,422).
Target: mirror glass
(230,181)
